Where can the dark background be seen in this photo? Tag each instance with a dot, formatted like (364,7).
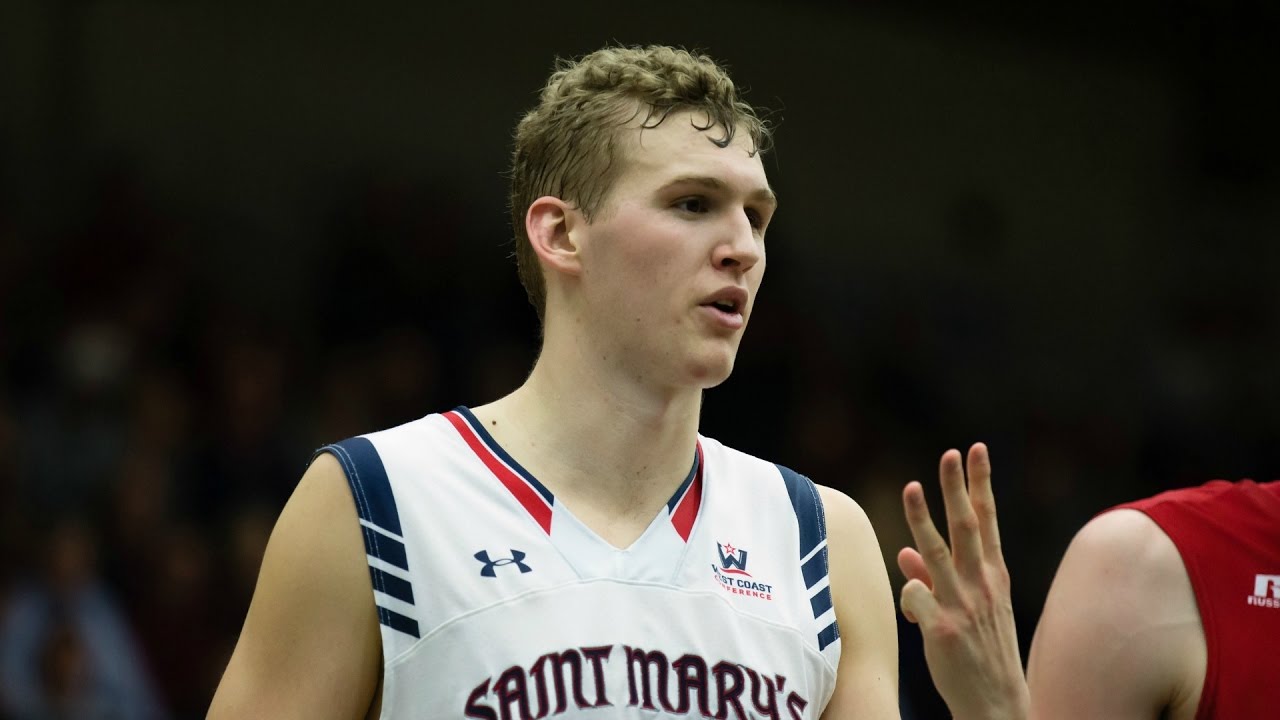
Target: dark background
(232,231)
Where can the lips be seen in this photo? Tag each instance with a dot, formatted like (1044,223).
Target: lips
(731,300)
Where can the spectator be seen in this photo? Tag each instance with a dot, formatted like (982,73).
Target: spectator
(65,649)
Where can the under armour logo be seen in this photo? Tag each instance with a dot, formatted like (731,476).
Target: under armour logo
(517,559)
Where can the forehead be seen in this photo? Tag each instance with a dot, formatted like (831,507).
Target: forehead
(679,146)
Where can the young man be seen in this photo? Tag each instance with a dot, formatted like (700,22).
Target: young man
(1166,608)
(576,547)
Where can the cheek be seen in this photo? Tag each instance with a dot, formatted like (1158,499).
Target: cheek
(632,290)
(649,270)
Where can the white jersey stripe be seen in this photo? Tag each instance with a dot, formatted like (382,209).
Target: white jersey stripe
(387,567)
(395,605)
(384,531)
(816,549)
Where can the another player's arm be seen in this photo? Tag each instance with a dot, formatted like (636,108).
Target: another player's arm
(310,647)
(867,679)
(1118,636)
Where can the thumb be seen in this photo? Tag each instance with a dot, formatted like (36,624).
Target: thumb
(917,602)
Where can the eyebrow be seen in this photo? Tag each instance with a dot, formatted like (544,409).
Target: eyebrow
(764,194)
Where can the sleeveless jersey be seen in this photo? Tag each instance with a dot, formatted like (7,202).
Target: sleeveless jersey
(496,602)
(1228,535)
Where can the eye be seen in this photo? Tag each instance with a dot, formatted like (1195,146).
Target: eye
(755,218)
(695,205)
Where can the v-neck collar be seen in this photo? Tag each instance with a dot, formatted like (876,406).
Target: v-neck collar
(538,501)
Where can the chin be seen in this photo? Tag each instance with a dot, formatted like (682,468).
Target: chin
(709,372)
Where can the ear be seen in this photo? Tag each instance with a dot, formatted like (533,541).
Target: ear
(549,224)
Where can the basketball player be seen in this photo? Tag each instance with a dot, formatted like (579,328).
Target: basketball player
(1167,607)
(576,547)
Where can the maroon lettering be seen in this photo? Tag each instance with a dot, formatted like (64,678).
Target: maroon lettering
(691,675)
(475,708)
(559,661)
(729,686)
(768,708)
(538,674)
(637,657)
(510,689)
(652,679)
(796,705)
(598,655)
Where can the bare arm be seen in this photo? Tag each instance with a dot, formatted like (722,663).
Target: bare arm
(867,679)
(1120,636)
(310,647)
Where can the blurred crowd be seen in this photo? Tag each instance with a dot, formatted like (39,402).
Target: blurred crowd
(151,430)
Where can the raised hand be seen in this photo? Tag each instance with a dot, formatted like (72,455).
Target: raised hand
(959,596)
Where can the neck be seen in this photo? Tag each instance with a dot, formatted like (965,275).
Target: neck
(596,434)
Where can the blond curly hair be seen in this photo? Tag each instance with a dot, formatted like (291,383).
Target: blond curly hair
(567,146)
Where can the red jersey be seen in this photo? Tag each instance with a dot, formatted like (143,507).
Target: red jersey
(1229,537)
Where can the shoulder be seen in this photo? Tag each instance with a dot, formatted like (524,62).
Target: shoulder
(823,512)
(855,557)
(1118,564)
(761,475)
(845,517)
(1125,538)
(1120,632)
(802,490)
(312,625)
(854,551)
(1245,496)
(408,442)
(827,510)
(413,430)
(867,676)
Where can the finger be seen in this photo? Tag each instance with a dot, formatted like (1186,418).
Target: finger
(912,566)
(918,603)
(932,548)
(962,522)
(984,502)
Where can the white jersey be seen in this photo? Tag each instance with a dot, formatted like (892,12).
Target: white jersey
(496,602)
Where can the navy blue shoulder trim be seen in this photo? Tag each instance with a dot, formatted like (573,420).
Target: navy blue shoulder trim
(368,479)
(808,507)
(376,505)
(812,527)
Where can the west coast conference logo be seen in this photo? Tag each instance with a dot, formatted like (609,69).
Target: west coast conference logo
(1266,591)
(731,573)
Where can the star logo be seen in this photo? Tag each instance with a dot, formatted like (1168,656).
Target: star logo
(733,560)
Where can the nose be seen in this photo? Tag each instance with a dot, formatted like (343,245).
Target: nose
(739,248)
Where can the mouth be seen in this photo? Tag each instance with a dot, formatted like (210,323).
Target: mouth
(728,307)
(725,306)
(732,300)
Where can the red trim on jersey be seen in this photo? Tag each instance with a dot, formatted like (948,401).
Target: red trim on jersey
(536,506)
(687,509)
